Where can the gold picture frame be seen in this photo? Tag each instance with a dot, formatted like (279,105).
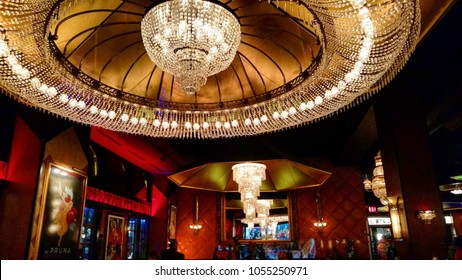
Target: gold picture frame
(58,213)
(172,215)
(115,236)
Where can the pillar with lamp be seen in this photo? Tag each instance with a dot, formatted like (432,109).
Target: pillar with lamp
(378,187)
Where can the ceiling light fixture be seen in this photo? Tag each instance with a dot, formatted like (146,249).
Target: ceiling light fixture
(363,43)
(457,190)
(191,39)
(249,176)
(377,186)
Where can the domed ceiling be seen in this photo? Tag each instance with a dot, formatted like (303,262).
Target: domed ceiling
(297,62)
(102,42)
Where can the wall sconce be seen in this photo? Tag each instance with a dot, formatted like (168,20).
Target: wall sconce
(196,226)
(426,215)
(320,224)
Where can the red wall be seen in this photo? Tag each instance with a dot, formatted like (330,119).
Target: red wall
(200,246)
(457,218)
(343,208)
(17,199)
(158,224)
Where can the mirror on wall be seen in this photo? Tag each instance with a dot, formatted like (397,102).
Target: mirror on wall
(275,226)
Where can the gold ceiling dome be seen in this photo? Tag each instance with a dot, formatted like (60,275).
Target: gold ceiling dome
(296,61)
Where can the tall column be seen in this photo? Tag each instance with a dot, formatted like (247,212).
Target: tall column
(431,75)
(409,171)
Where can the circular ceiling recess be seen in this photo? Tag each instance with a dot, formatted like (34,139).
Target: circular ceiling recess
(297,62)
(101,40)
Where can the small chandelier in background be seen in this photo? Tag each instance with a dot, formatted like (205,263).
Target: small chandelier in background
(457,190)
(377,186)
(196,226)
(191,39)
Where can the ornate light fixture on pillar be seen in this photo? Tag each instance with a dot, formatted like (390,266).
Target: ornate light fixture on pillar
(377,186)
(426,215)
(191,39)
(196,226)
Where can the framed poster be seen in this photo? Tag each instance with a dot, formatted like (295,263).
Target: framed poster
(58,213)
(115,237)
(172,222)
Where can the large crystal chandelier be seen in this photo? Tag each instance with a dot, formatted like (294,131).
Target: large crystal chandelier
(364,43)
(191,39)
(249,176)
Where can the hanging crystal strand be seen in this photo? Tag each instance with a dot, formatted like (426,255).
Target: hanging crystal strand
(299,7)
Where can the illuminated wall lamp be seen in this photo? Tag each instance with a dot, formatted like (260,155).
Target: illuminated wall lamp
(196,226)
(320,224)
(426,215)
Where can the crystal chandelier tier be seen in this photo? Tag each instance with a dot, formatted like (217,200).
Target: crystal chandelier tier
(364,43)
(249,176)
(191,39)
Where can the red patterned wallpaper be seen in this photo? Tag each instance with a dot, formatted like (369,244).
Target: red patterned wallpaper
(200,246)
(343,208)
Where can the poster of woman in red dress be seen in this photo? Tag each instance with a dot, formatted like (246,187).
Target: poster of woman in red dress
(115,237)
(58,214)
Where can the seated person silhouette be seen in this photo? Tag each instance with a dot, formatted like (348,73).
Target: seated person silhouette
(172,252)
